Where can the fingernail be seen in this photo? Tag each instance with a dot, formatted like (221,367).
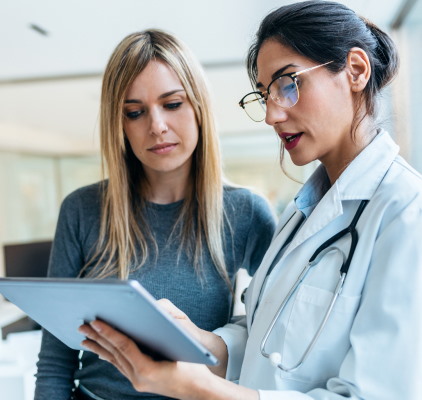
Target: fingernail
(95,326)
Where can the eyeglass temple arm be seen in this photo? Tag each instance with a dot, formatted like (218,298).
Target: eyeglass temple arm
(310,69)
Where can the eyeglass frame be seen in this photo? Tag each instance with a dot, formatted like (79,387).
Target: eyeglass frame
(264,95)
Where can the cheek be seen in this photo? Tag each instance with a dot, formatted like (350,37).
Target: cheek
(135,141)
(341,100)
(194,137)
(332,107)
(189,128)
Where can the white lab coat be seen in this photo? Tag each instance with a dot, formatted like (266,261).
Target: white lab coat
(371,347)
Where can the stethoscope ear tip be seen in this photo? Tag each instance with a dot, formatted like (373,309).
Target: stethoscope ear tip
(275,359)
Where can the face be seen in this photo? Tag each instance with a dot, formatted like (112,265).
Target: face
(160,123)
(318,127)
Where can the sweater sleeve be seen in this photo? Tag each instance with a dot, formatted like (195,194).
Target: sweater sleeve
(57,363)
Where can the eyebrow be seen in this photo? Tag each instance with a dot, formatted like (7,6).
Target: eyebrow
(161,96)
(276,74)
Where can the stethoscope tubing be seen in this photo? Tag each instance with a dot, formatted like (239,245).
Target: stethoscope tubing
(275,358)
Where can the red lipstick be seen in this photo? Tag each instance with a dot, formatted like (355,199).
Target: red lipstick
(290,140)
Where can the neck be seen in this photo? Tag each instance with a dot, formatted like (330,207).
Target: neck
(167,188)
(349,150)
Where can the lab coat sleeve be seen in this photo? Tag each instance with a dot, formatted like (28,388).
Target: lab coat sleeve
(235,336)
(385,358)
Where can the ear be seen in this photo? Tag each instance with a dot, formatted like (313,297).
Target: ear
(359,69)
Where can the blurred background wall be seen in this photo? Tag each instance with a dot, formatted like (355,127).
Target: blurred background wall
(52,57)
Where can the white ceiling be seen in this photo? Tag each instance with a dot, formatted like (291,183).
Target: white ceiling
(50,84)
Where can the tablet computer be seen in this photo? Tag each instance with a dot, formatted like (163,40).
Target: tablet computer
(61,305)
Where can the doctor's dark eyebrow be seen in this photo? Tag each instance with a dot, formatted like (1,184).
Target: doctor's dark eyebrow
(276,74)
(161,96)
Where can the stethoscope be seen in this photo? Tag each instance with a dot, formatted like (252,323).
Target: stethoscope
(275,358)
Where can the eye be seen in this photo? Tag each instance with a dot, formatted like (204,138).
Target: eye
(134,114)
(173,106)
(288,88)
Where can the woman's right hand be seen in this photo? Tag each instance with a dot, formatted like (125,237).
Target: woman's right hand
(208,339)
(181,380)
(182,318)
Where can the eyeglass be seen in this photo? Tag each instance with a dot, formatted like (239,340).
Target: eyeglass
(284,90)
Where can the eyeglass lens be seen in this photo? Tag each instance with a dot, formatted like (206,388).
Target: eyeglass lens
(283,91)
(254,105)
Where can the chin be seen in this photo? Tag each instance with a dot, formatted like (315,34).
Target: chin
(300,161)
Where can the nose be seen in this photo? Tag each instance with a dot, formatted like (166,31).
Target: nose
(274,113)
(158,123)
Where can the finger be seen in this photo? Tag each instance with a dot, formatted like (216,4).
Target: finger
(111,336)
(102,353)
(133,363)
(168,306)
(105,350)
(120,345)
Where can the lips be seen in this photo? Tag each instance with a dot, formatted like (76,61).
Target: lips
(162,148)
(289,139)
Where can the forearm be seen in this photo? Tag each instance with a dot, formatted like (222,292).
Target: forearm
(216,388)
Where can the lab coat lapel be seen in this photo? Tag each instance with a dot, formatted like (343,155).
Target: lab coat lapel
(327,210)
(254,291)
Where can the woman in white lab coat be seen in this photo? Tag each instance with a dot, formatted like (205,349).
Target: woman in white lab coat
(302,339)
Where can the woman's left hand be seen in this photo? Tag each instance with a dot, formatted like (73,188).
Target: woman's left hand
(173,379)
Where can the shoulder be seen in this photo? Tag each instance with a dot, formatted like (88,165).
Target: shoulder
(241,198)
(401,183)
(400,192)
(245,203)
(86,197)
(407,175)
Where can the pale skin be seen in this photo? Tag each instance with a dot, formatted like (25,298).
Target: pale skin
(325,110)
(162,130)
(323,116)
(174,379)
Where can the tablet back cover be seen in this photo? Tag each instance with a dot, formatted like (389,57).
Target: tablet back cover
(62,305)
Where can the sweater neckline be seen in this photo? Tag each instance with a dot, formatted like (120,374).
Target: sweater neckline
(169,206)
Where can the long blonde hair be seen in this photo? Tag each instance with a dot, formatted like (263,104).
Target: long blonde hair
(122,245)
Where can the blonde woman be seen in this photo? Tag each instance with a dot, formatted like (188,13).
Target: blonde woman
(162,217)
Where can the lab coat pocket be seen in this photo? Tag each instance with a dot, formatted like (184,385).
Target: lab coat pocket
(308,310)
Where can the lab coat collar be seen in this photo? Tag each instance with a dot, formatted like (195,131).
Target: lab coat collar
(359,181)
(362,177)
